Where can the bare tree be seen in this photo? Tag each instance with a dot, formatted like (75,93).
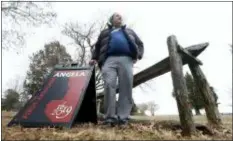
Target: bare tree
(84,37)
(142,107)
(16,84)
(152,107)
(16,14)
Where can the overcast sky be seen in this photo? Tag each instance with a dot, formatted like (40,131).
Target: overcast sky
(192,23)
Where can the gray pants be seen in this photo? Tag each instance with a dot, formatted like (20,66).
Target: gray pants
(121,67)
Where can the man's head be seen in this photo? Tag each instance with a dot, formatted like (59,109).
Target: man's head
(116,20)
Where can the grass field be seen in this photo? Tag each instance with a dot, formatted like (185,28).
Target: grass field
(135,131)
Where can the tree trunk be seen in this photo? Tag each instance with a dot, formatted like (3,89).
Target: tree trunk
(197,111)
(211,109)
(180,88)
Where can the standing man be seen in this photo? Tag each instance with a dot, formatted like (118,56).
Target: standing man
(116,50)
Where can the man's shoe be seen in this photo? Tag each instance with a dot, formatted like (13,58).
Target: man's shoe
(123,122)
(109,122)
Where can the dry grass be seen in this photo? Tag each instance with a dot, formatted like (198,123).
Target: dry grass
(134,131)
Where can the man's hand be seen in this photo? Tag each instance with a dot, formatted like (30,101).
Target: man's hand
(93,62)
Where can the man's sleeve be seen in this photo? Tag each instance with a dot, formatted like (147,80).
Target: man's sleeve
(140,46)
(95,53)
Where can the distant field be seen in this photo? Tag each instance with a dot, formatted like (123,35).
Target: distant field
(199,119)
(96,132)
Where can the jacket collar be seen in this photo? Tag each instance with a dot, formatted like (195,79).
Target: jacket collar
(110,26)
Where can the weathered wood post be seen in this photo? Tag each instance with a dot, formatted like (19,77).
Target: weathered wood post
(98,105)
(211,108)
(180,88)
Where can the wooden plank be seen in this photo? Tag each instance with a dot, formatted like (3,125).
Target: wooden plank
(211,108)
(180,88)
(162,67)
(188,56)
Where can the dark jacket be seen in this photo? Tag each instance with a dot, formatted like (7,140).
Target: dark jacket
(102,44)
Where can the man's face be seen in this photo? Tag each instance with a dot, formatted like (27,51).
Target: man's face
(117,19)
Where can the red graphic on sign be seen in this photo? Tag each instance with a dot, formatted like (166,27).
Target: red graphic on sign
(63,110)
(58,110)
(37,99)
